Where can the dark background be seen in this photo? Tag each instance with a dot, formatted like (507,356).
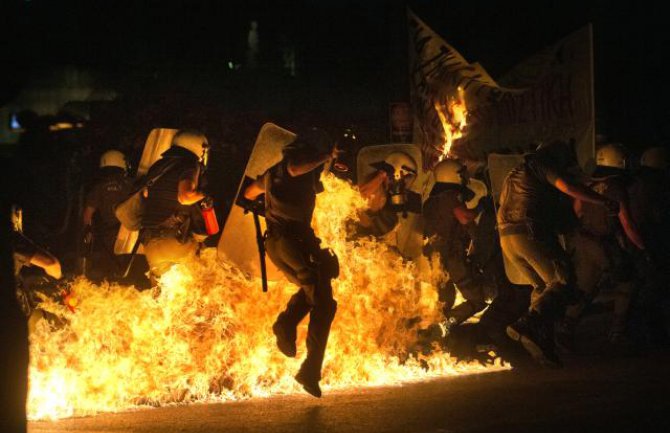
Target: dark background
(173,57)
(169,62)
(183,64)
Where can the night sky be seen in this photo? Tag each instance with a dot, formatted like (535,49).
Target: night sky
(352,55)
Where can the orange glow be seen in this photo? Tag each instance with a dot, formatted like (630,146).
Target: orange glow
(206,334)
(453,115)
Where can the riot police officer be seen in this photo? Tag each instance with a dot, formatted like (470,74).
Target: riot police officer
(290,189)
(100,225)
(172,223)
(446,226)
(387,194)
(599,246)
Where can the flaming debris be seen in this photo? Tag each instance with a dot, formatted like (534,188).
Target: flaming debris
(453,116)
(206,334)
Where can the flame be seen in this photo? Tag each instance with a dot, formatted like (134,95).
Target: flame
(205,334)
(453,115)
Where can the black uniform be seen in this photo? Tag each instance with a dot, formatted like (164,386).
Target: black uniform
(471,255)
(451,239)
(293,247)
(170,228)
(109,189)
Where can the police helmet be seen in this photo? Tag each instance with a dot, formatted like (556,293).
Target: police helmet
(193,141)
(611,155)
(450,171)
(113,158)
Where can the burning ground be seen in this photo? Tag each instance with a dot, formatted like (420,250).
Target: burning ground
(205,334)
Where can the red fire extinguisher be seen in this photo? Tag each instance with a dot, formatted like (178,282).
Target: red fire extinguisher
(209,215)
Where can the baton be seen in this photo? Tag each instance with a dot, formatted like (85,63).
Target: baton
(261,250)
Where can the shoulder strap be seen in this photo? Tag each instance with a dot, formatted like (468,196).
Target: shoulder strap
(149,182)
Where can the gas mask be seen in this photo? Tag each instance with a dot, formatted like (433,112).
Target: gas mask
(401,172)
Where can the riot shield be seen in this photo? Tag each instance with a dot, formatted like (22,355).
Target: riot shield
(158,141)
(238,242)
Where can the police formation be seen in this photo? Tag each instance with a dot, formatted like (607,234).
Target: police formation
(530,266)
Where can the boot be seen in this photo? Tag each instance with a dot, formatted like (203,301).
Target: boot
(536,336)
(308,382)
(320,319)
(285,326)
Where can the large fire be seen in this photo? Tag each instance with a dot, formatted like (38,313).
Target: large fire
(453,115)
(206,334)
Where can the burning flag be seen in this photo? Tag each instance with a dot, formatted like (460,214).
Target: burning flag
(453,116)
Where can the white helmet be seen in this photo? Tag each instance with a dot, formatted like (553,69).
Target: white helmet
(611,155)
(193,141)
(450,171)
(655,157)
(404,167)
(113,158)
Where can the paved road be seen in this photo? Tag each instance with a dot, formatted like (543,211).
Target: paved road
(588,395)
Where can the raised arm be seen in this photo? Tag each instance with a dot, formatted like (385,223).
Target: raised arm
(299,166)
(582,192)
